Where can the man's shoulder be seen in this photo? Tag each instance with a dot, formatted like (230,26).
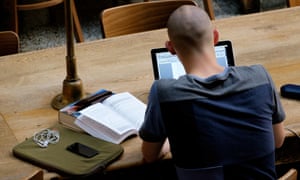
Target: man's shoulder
(165,83)
(253,71)
(255,67)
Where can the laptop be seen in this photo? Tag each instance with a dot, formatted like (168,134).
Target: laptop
(168,66)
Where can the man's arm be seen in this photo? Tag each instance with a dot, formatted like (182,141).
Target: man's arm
(153,151)
(279,134)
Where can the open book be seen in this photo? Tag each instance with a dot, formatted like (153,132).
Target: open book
(114,119)
(68,114)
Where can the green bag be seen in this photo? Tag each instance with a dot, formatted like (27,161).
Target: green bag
(57,158)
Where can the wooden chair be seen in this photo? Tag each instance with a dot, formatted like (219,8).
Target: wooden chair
(9,43)
(292,3)
(208,6)
(46,4)
(250,6)
(292,174)
(36,175)
(138,17)
(217,173)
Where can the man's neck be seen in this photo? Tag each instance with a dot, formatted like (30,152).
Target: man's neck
(204,65)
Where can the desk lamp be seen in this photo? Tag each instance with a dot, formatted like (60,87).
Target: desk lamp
(72,84)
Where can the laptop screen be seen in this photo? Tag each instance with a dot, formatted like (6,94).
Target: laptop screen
(168,66)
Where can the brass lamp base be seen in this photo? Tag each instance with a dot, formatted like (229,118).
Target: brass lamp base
(72,91)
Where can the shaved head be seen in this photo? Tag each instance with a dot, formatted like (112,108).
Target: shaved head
(190,29)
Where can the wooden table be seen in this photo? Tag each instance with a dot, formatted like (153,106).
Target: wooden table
(29,81)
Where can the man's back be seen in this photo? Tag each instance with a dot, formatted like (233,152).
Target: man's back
(227,117)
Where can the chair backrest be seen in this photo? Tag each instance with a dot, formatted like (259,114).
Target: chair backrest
(138,17)
(36,175)
(215,173)
(9,43)
(38,5)
(292,174)
(292,3)
(46,4)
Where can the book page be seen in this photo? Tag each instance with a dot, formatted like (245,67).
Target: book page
(128,106)
(106,116)
(98,130)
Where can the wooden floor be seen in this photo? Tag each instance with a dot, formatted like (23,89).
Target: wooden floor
(44,33)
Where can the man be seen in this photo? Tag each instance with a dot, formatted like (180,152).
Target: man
(228,119)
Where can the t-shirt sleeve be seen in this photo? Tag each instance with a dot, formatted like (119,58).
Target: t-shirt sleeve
(278,111)
(152,129)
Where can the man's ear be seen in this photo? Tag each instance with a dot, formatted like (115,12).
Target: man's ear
(216,36)
(170,48)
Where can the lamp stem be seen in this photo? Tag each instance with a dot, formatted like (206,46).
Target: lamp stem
(70,58)
(72,84)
